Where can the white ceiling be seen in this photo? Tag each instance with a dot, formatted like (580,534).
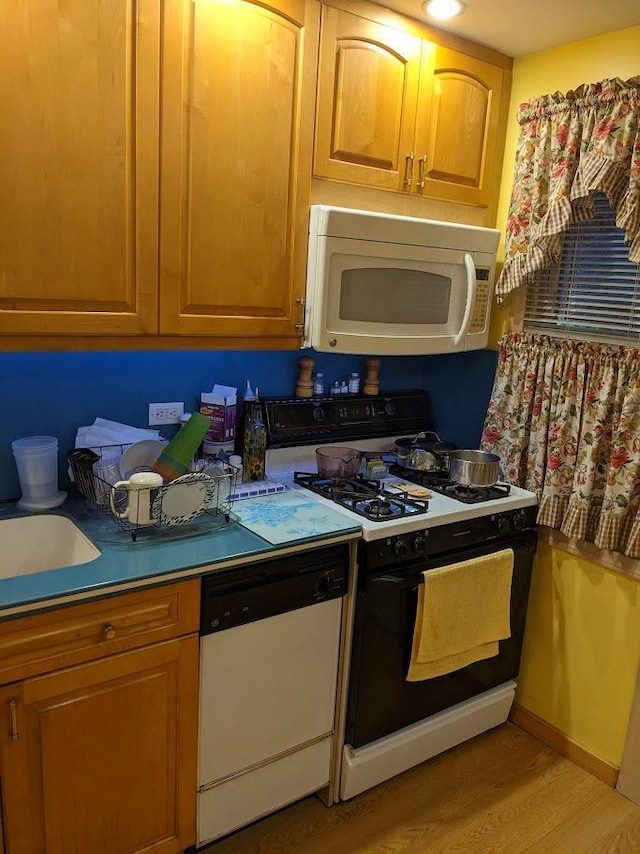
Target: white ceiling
(518,27)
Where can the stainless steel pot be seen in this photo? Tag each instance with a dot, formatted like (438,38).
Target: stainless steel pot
(424,452)
(474,468)
(337,462)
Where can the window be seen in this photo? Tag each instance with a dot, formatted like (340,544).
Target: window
(593,293)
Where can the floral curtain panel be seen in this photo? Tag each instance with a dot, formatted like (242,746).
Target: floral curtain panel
(564,418)
(570,146)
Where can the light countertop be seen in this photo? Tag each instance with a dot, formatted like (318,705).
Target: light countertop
(258,528)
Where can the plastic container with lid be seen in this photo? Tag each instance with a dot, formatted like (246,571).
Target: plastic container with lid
(37,463)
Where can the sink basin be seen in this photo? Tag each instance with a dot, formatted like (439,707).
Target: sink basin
(37,543)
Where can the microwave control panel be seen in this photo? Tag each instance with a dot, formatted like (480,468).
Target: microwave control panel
(481,306)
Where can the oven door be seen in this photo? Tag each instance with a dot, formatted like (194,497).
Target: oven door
(381,701)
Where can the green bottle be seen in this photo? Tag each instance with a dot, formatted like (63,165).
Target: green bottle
(255,443)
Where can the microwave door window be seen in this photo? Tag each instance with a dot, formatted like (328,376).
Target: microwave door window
(412,299)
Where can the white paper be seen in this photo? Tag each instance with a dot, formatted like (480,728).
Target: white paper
(223,395)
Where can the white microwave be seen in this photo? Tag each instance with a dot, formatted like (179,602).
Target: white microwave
(382,284)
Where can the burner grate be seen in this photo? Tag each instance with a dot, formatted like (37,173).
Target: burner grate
(365,497)
(440,481)
(476,494)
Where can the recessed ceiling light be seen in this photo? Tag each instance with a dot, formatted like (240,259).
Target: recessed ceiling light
(444,8)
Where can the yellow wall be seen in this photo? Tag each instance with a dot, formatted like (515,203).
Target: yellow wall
(581,650)
(583,633)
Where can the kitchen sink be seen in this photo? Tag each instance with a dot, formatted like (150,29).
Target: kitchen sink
(38,543)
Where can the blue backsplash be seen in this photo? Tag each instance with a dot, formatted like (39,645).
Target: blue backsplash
(54,393)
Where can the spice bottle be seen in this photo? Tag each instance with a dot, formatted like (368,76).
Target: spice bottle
(318,384)
(354,382)
(255,443)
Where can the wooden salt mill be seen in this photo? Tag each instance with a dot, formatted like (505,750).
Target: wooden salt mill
(371,381)
(304,385)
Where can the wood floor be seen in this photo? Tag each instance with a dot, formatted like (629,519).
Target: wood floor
(503,791)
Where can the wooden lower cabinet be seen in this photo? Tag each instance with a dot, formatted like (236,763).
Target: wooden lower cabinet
(101,758)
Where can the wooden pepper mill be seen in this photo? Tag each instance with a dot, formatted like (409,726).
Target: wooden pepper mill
(371,381)
(304,385)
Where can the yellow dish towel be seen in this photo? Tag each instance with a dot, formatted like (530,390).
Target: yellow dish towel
(462,613)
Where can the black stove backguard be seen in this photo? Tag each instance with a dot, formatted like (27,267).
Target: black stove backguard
(308,421)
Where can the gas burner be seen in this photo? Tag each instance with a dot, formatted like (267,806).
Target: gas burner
(433,479)
(337,487)
(476,494)
(383,507)
(439,481)
(378,508)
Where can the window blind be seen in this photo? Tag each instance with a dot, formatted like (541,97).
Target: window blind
(593,292)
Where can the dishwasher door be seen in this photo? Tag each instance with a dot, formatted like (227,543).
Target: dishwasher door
(266,688)
(268,679)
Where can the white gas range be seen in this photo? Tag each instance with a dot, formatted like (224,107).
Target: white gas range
(287,464)
(390,723)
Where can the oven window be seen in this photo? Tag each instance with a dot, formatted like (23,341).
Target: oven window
(394,295)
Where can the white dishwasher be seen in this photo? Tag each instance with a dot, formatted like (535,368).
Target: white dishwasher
(270,641)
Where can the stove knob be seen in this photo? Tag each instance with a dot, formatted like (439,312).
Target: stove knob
(389,407)
(520,520)
(399,548)
(503,524)
(420,542)
(318,413)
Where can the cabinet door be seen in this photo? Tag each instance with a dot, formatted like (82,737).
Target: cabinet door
(102,757)
(237,136)
(79,166)
(457,131)
(367,97)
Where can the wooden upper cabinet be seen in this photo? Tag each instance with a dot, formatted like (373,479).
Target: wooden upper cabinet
(367,98)
(236,171)
(401,112)
(79,85)
(458,131)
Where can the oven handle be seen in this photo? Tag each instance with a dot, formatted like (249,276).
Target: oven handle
(400,583)
(413,578)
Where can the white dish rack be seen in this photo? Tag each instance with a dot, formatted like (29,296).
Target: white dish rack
(197,501)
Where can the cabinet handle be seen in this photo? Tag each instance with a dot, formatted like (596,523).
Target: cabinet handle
(422,171)
(109,631)
(13,705)
(408,170)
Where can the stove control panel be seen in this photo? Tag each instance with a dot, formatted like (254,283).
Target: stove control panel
(429,542)
(304,421)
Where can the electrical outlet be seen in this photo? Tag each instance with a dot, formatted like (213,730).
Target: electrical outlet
(165,413)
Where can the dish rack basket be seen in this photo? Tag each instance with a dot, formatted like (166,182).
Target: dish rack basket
(197,501)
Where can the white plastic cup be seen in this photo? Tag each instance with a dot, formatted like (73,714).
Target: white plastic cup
(37,463)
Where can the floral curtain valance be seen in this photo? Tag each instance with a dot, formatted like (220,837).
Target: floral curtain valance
(564,418)
(569,147)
